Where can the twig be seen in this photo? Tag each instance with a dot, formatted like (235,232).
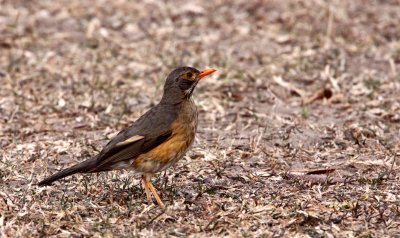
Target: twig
(152,220)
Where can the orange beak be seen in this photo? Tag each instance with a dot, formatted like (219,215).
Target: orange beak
(206,72)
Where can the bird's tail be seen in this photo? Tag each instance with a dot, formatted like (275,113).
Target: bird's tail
(83,167)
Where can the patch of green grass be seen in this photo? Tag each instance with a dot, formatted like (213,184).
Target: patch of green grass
(305,112)
(372,84)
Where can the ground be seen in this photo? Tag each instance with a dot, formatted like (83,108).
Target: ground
(299,132)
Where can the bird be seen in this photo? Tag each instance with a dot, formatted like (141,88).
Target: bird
(156,140)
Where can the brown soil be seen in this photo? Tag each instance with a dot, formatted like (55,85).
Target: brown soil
(299,131)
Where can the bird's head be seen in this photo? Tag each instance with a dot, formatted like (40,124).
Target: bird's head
(181,83)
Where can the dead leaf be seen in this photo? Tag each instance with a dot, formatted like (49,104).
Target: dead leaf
(279,80)
(319,95)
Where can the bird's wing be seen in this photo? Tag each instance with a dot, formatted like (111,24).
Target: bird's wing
(146,133)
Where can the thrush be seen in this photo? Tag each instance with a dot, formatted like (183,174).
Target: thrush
(155,141)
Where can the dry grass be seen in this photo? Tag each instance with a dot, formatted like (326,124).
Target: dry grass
(299,129)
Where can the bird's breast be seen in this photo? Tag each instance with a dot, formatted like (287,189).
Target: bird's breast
(174,148)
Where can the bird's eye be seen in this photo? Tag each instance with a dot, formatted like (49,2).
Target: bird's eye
(189,75)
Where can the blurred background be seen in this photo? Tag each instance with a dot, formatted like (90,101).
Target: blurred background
(299,128)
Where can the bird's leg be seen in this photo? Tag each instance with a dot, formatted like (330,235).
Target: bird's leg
(147,189)
(154,191)
(150,188)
